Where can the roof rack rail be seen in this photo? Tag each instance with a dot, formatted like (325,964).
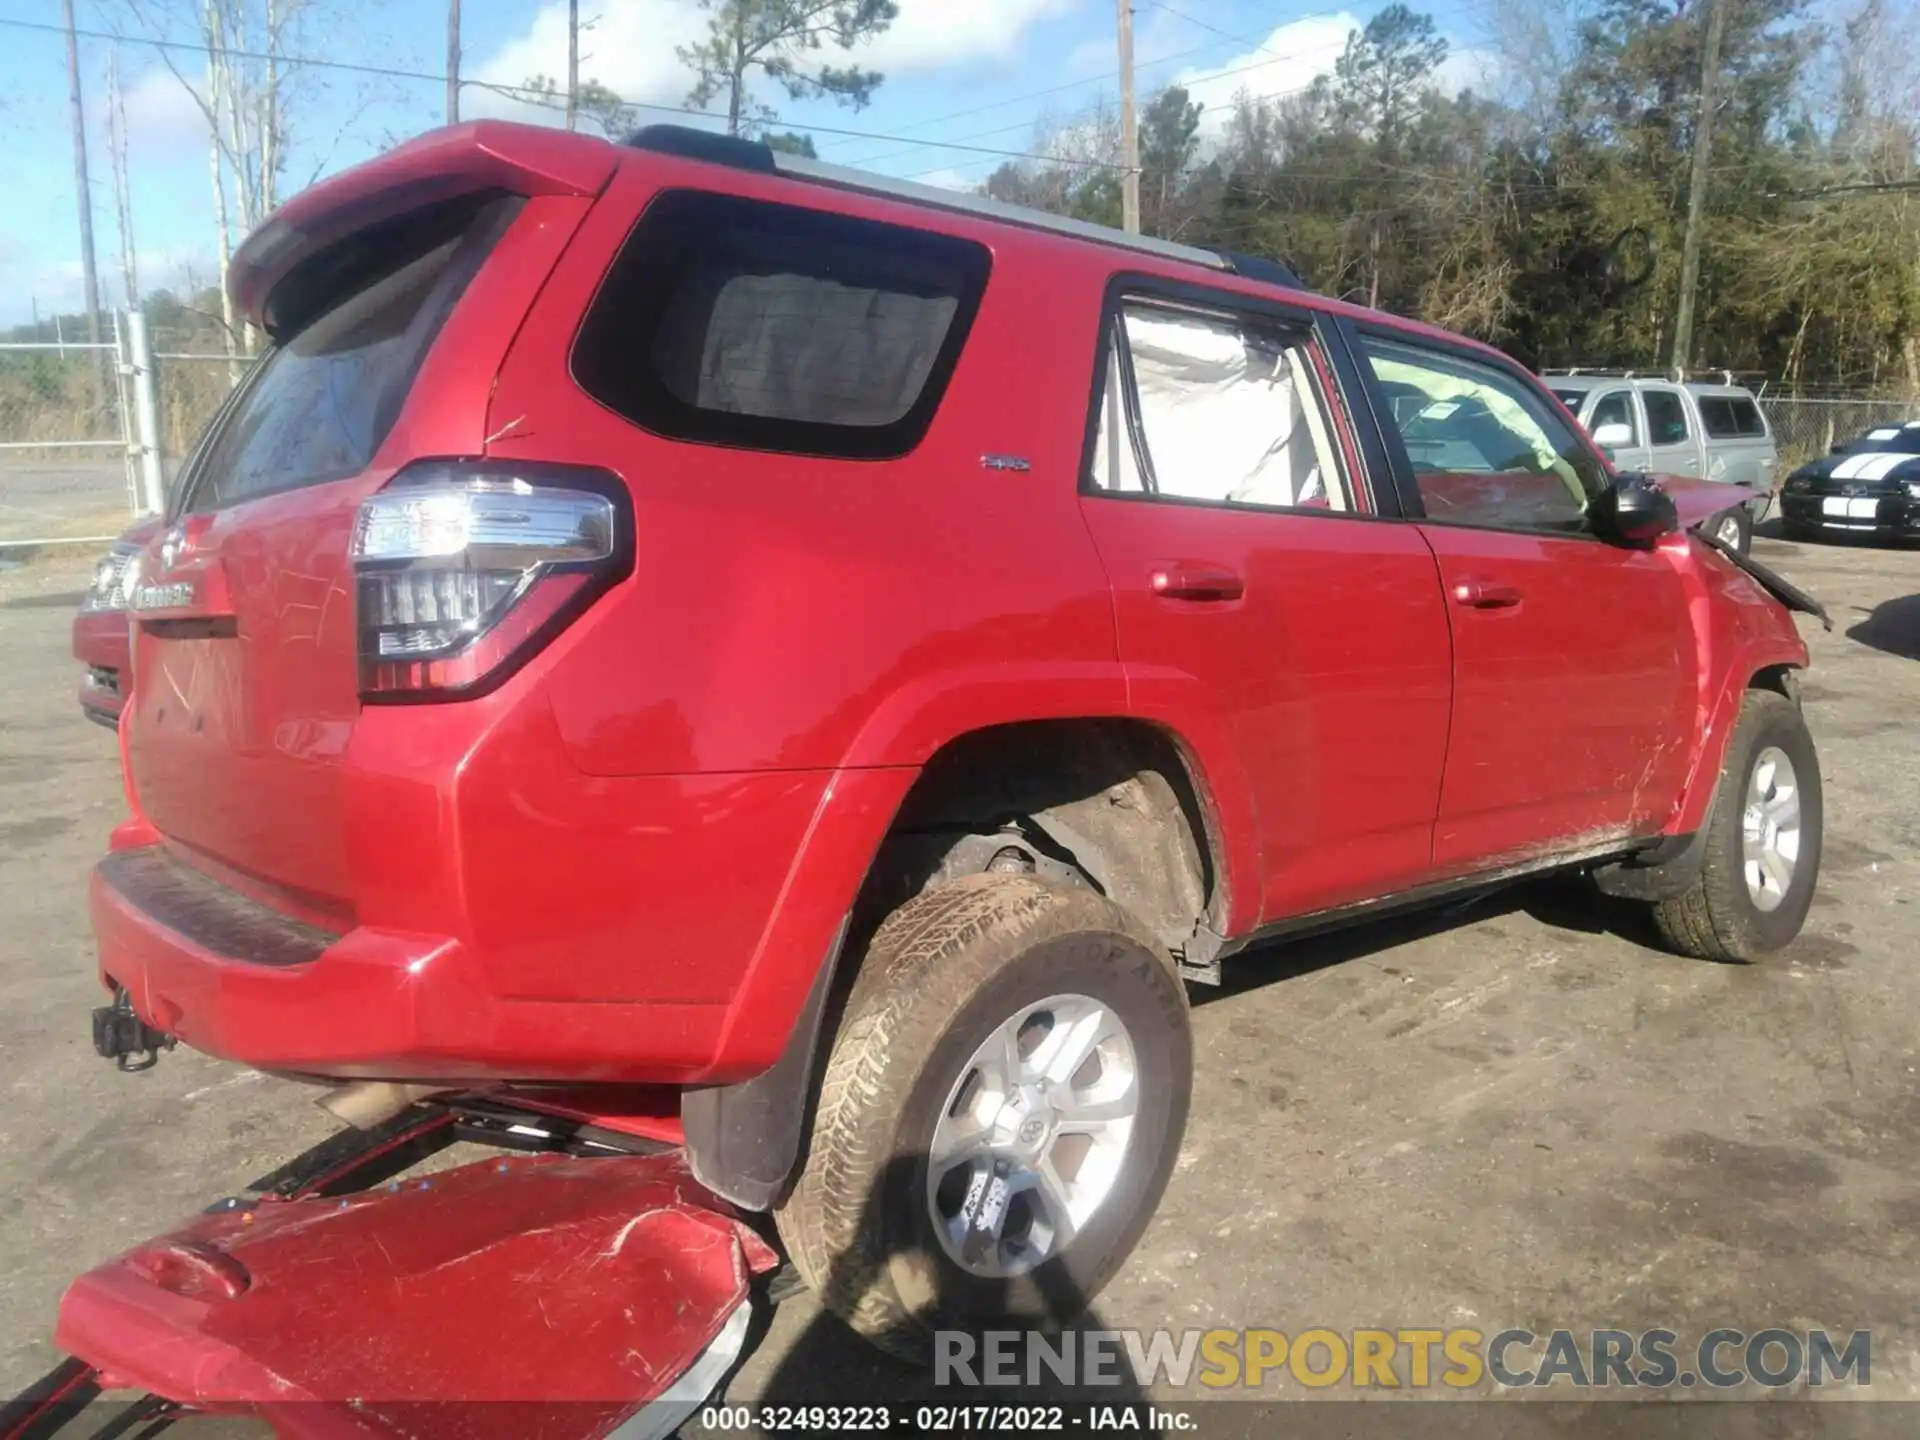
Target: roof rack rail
(757,155)
(1674,375)
(1254,267)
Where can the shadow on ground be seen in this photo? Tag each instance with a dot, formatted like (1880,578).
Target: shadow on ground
(1892,626)
(830,1365)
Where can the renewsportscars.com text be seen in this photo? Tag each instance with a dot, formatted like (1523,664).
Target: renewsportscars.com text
(1414,1358)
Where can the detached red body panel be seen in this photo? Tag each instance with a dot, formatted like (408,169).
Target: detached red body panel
(579,1288)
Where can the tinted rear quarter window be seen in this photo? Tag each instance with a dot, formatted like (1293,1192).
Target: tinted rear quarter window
(317,407)
(773,327)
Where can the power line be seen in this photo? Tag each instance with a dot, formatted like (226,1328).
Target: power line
(1204,78)
(1105,75)
(1195,20)
(528,94)
(543,99)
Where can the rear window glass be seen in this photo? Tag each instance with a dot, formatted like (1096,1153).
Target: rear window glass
(771,327)
(318,405)
(1730,417)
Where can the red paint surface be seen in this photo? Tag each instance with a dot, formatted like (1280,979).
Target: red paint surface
(587,1286)
(626,864)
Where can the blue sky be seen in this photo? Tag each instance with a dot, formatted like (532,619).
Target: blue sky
(984,73)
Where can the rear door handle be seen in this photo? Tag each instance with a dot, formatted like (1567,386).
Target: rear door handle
(1176,581)
(1485,594)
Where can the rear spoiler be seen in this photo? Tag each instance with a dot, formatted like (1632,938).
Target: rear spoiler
(477,157)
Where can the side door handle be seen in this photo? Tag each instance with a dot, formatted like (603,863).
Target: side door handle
(1477,594)
(1176,580)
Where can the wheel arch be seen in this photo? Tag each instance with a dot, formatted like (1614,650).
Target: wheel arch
(1125,802)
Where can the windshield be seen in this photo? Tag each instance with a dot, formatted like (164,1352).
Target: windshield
(1897,439)
(1572,399)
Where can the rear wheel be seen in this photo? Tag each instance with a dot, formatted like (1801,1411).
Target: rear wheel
(1001,1110)
(1763,841)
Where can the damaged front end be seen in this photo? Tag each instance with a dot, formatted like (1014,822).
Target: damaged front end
(591,1288)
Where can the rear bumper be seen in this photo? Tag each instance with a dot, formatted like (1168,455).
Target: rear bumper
(377,1003)
(667,934)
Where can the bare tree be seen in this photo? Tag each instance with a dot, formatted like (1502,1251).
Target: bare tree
(244,100)
(122,191)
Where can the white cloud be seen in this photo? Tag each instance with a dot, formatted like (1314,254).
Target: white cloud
(1284,64)
(939,34)
(163,118)
(1294,55)
(632,47)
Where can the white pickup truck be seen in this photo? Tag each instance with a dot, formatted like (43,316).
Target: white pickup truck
(1717,432)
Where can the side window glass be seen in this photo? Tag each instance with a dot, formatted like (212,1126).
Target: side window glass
(1615,408)
(1485,449)
(1717,415)
(1223,411)
(1746,416)
(1666,417)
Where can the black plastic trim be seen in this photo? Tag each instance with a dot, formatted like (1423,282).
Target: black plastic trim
(211,915)
(1255,267)
(743,1140)
(690,144)
(1421,897)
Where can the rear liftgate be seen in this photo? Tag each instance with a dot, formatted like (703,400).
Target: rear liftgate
(589,1288)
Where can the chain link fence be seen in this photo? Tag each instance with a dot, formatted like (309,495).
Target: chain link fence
(91,435)
(1805,429)
(65,468)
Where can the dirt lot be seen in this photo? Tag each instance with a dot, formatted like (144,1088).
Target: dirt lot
(1517,1115)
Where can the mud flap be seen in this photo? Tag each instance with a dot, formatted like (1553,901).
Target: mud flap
(530,1295)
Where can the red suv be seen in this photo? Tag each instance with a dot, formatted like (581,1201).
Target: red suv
(834,658)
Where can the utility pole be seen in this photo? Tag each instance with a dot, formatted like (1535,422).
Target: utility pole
(1697,185)
(573,63)
(453,62)
(89,274)
(1129,126)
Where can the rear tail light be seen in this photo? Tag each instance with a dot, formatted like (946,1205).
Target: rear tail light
(463,569)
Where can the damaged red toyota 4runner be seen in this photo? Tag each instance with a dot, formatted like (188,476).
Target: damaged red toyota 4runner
(824,663)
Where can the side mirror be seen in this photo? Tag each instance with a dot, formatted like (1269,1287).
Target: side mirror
(1635,511)
(1613,436)
(1837,447)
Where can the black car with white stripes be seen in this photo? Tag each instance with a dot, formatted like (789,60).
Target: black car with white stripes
(1868,486)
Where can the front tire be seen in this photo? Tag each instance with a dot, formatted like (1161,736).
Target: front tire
(1733,529)
(1763,841)
(999,1116)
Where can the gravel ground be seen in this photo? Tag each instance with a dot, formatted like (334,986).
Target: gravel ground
(1519,1114)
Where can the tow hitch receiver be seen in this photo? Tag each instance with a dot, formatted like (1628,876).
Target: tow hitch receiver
(124,1038)
(559,1294)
